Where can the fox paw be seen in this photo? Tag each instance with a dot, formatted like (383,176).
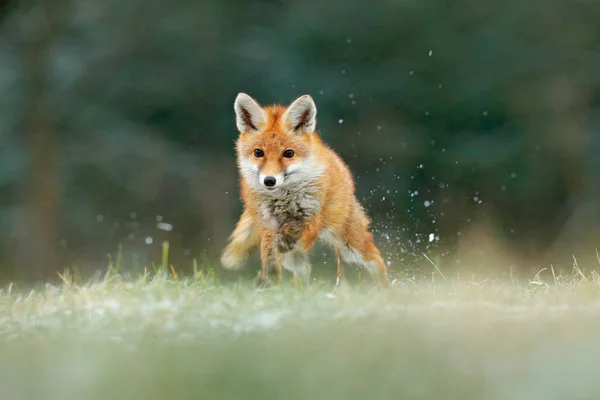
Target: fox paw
(262,280)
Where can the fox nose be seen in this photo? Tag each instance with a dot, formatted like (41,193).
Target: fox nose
(270,181)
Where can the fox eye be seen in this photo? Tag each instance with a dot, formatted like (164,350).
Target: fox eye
(288,153)
(258,153)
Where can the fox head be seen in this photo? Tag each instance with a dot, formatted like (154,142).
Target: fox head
(276,147)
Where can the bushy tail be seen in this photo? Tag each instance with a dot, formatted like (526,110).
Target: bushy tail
(242,240)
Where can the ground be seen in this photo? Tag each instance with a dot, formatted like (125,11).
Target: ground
(162,336)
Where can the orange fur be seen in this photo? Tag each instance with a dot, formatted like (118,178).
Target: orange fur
(315,199)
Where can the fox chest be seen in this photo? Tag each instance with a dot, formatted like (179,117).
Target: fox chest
(292,207)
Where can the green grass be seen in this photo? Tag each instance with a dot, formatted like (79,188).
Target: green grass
(163,336)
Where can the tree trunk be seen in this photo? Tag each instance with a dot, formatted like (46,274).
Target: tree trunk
(37,253)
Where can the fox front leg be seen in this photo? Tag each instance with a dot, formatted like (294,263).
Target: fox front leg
(271,262)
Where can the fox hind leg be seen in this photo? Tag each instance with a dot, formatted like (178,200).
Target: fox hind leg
(297,262)
(361,249)
(339,269)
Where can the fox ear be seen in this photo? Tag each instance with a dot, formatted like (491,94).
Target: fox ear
(301,115)
(249,116)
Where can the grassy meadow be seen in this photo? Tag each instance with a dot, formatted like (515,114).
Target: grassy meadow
(163,336)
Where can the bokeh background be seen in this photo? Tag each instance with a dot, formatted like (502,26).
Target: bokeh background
(471,126)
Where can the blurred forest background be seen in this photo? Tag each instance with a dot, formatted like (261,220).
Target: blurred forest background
(472,127)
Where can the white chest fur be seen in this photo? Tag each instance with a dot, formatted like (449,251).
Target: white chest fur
(288,205)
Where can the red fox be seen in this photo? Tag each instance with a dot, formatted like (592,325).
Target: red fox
(295,190)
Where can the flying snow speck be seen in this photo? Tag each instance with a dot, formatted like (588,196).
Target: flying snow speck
(427,203)
(148,240)
(99,217)
(431,237)
(164,226)
(133,215)
(159,218)
(341,121)
(430,53)
(348,40)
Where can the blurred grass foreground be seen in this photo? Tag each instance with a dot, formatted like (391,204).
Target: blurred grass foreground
(465,121)
(162,336)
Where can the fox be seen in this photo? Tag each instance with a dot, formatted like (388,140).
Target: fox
(295,191)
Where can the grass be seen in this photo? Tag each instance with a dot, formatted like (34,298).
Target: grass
(162,336)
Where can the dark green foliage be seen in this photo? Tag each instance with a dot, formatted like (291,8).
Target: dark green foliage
(497,100)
